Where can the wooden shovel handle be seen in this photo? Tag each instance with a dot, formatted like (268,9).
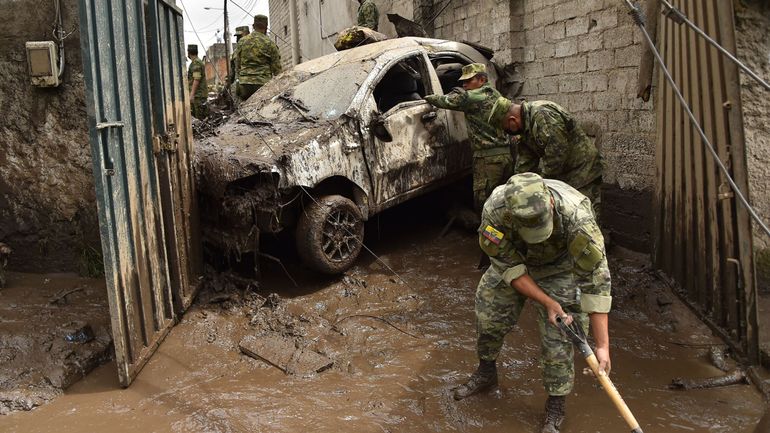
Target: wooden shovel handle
(609,387)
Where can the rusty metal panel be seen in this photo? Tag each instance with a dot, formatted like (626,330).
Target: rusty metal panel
(130,185)
(702,237)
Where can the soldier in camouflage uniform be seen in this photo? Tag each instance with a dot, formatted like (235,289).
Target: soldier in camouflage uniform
(257,59)
(552,144)
(240,32)
(544,244)
(492,161)
(368,15)
(196,79)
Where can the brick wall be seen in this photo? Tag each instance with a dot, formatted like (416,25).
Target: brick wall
(583,55)
(280,29)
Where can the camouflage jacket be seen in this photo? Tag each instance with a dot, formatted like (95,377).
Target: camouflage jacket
(368,15)
(576,245)
(257,59)
(554,146)
(476,104)
(197,71)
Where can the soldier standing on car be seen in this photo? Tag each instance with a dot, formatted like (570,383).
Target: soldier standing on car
(492,161)
(232,78)
(258,59)
(544,244)
(196,79)
(368,15)
(552,144)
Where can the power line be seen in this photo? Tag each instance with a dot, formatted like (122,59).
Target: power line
(275,155)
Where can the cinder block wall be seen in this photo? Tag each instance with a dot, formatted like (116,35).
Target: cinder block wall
(280,25)
(583,55)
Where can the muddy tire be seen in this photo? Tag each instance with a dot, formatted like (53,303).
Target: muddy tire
(329,234)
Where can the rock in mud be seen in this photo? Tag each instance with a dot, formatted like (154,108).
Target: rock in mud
(281,352)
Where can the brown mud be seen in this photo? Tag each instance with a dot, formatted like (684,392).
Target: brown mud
(37,313)
(384,380)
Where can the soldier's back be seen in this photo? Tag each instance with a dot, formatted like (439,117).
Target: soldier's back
(256,56)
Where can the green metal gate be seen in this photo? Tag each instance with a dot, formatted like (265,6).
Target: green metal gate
(141,144)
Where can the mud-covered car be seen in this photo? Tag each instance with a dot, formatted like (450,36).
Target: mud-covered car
(330,143)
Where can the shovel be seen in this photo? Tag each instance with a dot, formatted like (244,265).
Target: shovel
(578,337)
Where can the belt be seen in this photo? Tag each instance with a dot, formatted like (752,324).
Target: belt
(495,151)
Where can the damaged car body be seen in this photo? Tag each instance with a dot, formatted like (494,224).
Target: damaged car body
(328,144)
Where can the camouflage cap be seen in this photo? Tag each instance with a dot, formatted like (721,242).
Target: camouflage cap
(529,201)
(470,71)
(260,19)
(242,30)
(499,110)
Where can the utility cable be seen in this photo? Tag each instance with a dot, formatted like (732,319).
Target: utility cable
(679,17)
(275,155)
(638,18)
(286,43)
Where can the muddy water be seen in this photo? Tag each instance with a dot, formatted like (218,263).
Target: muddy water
(384,380)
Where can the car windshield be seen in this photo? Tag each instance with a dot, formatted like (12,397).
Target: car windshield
(303,96)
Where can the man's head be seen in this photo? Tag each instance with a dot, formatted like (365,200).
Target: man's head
(531,206)
(192,51)
(507,115)
(241,32)
(260,23)
(474,76)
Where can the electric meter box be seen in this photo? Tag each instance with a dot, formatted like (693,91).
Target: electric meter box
(43,63)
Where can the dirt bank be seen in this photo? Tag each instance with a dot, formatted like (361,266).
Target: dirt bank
(384,380)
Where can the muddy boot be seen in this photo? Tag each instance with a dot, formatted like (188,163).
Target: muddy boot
(554,414)
(484,378)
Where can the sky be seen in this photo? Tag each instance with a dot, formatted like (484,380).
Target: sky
(209,24)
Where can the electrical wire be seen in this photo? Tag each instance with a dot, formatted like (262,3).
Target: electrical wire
(275,155)
(638,18)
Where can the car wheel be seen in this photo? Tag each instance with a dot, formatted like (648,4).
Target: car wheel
(330,233)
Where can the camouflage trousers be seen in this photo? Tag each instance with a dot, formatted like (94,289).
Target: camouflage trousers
(198,108)
(498,306)
(246,90)
(594,192)
(489,172)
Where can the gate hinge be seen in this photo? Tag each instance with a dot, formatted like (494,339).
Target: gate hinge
(168,142)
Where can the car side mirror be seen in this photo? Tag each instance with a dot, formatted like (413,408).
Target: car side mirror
(379,130)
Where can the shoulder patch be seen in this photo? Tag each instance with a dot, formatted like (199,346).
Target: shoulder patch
(493,235)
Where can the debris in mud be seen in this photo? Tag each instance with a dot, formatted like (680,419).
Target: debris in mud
(82,333)
(738,376)
(208,126)
(5,251)
(717,357)
(283,353)
(61,297)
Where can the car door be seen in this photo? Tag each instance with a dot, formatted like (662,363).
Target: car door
(406,137)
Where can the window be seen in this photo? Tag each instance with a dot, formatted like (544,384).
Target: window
(449,69)
(405,81)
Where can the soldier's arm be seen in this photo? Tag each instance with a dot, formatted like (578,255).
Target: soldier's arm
(275,61)
(526,158)
(454,100)
(197,74)
(550,134)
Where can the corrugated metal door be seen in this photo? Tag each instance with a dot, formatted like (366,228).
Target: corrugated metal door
(702,234)
(141,172)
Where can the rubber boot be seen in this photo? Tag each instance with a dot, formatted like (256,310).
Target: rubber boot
(554,414)
(484,378)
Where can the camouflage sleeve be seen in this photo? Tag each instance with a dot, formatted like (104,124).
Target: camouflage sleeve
(586,247)
(197,70)
(454,100)
(367,17)
(503,256)
(275,60)
(550,135)
(526,158)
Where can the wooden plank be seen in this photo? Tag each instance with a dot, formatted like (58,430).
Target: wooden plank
(706,167)
(687,187)
(677,264)
(668,196)
(281,352)
(747,295)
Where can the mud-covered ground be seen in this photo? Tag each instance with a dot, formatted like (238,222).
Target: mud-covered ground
(398,348)
(38,314)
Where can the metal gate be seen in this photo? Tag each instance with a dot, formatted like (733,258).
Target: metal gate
(702,234)
(141,143)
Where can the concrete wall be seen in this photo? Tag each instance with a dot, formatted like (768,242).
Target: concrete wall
(752,19)
(47,198)
(583,55)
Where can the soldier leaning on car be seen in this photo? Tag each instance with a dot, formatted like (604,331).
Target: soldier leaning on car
(258,59)
(196,80)
(552,144)
(492,161)
(544,244)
